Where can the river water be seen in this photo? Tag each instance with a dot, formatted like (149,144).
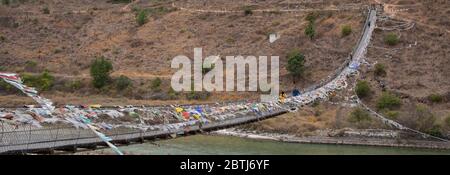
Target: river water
(207,144)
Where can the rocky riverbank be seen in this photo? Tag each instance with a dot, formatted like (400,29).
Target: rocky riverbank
(367,137)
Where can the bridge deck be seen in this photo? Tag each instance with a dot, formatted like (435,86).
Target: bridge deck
(45,140)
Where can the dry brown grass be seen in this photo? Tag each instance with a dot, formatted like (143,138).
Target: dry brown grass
(307,121)
(75,32)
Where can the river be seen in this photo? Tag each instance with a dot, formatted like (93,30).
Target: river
(217,145)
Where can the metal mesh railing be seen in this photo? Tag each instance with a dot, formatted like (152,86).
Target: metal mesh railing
(26,137)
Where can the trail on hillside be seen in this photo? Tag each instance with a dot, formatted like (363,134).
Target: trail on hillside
(350,7)
(393,11)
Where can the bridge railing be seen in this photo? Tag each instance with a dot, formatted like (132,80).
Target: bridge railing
(23,138)
(14,136)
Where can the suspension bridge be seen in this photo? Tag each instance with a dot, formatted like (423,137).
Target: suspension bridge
(46,140)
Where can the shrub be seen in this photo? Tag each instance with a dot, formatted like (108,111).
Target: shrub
(119,1)
(141,17)
(423,119)
(6,86)
(100,70)
(435,131)
(30,66)
(315,103)
(2,38)
(248,10)
(230,40)
(198,95)
(56,51)
(380,70)
(156,84)
(74,85)
(123,82)
(435,98)
(172,94)
(391,39)
(362,89)
(28,79)
(392,114)
(30,63)
(317,112)
(296,64)
(311,17)
(46,80)
(42,82)
(359,115)
(45,10)
(310,31)
(346,30)
(388,101)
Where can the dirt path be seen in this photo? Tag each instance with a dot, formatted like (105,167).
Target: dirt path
(265,10)
(392,10)
(129,74)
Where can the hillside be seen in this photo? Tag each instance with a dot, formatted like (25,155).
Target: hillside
(73,33)
(415,70)
(64,37)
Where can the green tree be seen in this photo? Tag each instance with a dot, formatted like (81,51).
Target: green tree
(346,30)
(435,131)
(391,39)
(172,94)
(380,69)
(310,31)
(45,10)
(359,115)
(141,17)
(6,86)
(46,80)
(100,71)
(248,10)
(156,84)
(435,98)
(388,101)
(311,17)
(296,64)
(362,89)
(123,82)
(42,82)
(424,120)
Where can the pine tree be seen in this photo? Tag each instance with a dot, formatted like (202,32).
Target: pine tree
(296,64)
